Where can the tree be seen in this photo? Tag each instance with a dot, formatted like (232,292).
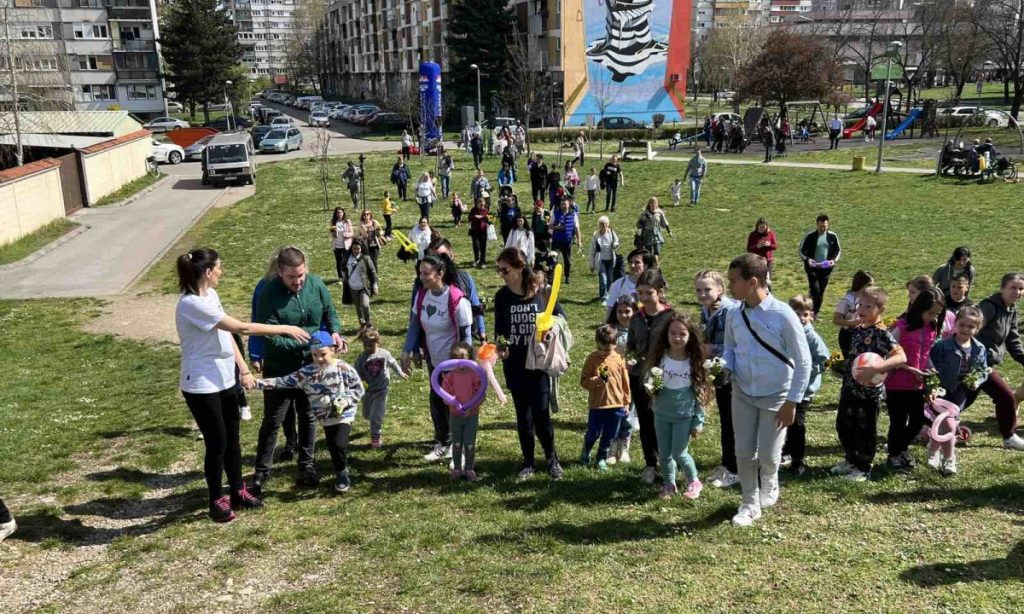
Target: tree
(320,147)
(870,33)
(789,67)
(200,51)
(923,37)
(305,50)
(605,93)
(963,47)
(405,100)
(527,86)
(474,27)
(1002,24)
(727,50)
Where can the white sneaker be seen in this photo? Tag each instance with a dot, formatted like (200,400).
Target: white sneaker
(769,493)
(746,516)
(935,461)
(786,461)
(648,475)
(716,473)
(856,475)
(245,413)
(436,454)
(7,528)
(613,453)
(949,466)
(728,479)
(1014,442)
(447,452)
(624,456)
(842,468)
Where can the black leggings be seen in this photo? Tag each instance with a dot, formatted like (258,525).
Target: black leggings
(403,190)
(439,415)
(817,280)
(216,414)
(611,195)
(479,247)
(340,253)
(906,417)
(723,398)
(531,395)
(645,415)
(566,250)
(5,514)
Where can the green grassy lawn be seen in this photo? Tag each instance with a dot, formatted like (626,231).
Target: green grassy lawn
(129,189)
(405,538)
(16,250)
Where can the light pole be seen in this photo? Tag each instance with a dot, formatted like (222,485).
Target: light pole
(561,123)
(227,103)
(479,106)
(893,48)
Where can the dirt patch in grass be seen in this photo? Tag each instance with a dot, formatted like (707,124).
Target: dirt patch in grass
(142,317)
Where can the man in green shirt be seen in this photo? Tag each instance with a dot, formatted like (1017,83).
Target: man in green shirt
(299,298)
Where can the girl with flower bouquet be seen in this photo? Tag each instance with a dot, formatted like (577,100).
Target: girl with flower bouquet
(620,315)
(681,388)
(960,365)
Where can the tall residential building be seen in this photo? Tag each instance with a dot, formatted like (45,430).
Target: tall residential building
(264,29)
(84,55)
(785,11)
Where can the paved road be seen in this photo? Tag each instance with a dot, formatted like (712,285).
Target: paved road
(121,243)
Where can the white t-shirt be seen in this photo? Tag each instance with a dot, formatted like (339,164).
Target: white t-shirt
(621,286)
(593,182)
(207,354)
(437,324)
(340,230)
(677,373)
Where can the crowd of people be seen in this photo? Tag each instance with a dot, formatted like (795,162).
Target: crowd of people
(656,370)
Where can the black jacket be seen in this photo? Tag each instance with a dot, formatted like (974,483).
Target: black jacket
(1000,334)
(539,175)
(810,241)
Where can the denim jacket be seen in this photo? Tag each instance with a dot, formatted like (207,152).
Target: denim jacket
(946,361)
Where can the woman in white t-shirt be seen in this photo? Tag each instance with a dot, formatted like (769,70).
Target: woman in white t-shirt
(421,235)
(426,194)
(442,316)
(603,249)
(341,238)
(210,366)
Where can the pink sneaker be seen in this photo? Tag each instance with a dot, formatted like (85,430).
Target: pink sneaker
(375,442)
(667,491)
(693,489)
(455,474)
(471,475)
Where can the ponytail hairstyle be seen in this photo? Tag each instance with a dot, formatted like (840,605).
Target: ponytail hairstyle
(192,267)
(695,353)
(532,281)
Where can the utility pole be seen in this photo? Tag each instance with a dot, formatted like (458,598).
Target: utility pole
(12,71)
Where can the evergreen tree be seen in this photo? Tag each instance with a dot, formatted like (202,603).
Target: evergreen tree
(200,49)
(477,34)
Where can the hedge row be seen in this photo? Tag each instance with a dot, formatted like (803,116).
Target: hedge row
(549,135)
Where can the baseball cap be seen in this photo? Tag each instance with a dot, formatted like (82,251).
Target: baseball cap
(320,339)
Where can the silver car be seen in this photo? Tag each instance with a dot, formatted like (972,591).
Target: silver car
(281,140)
(195,150)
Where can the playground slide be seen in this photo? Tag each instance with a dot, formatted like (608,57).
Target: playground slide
(898,130)
(875,109)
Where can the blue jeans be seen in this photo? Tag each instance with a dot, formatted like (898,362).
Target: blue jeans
(625,428)
(695,188)
(605,270)
(603,423)
(445,183)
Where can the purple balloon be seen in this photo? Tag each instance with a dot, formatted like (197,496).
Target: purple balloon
(450,400)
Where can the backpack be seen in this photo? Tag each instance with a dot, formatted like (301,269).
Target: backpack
(455,294)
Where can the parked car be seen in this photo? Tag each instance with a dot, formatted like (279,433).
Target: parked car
(163,124)
(258,132)
(267,114)
(281,139)
(167,152)
(229,157)
(338,111)
(216,106)
(956,116)
(388,121)
(359,113)
(729,117)
(612,123)
(237,123)
(283,121)
(195,150)
(993,118)
(319,118)
(495,122)
(358,109)
(173,106)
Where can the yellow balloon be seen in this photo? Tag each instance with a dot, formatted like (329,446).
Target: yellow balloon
(547,319)
(404,241)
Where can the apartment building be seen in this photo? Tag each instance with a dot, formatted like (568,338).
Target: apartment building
(786,11)
(264,29)
(84,55)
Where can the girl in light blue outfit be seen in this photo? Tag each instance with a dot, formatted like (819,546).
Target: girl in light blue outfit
(680,387)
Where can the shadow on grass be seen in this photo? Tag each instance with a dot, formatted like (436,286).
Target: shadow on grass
(151,480)
(983,570)
(171,431)
(1003,497)
(613,530)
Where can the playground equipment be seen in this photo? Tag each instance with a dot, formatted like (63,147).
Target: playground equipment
(903,125)
(858,126)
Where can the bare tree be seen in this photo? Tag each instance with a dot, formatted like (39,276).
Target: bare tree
(923,34)
(405,100)
(870,32)
(1002,23)
(963,46)
(526,84)
(605,93)
(304,51)
(320,147)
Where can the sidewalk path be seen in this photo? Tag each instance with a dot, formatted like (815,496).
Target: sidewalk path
(813,165)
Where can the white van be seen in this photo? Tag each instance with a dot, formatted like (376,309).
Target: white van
(229,157)
(304,102)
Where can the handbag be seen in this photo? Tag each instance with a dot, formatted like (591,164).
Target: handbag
(764,344)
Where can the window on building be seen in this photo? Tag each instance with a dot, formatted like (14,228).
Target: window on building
(91,62)
(90,30)
(130,33)
(97,92)
(140,92)
(36,31)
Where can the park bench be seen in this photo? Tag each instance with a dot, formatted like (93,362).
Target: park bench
(640,150)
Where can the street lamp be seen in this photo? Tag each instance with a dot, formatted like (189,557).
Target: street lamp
(227,103)
(479,107)
(561,123)
(893,48)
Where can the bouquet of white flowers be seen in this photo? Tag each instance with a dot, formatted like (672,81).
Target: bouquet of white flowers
(976,376)
(714,366)
(655,382)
